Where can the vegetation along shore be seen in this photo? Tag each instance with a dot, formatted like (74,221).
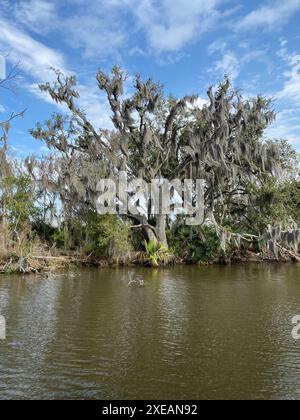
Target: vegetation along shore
(48,214)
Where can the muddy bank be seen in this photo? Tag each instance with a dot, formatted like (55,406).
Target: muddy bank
(51,263)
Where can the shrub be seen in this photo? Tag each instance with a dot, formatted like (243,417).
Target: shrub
(108,236)
(156,253)
(195,243)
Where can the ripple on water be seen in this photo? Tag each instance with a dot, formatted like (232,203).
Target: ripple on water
(190,332)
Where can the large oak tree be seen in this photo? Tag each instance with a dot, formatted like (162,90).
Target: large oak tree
(155,136)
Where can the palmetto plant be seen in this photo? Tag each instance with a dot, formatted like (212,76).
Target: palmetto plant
(156,253)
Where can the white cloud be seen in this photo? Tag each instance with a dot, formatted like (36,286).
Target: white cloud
(93,35)
(107,28)
(171,24)
(229,64)
(34,57)
(270,16)
(38,15)
(287,127)
(291,88)
(287,124)
(91,100)
(168,24)
(283,42)
(96,29)
(217,46)
(104,29)
(95,105)
(199,103)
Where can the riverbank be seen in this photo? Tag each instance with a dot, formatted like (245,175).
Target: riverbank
(51,263)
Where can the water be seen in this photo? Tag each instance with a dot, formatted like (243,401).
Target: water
(188,333)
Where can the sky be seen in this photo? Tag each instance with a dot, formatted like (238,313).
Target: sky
(187,45)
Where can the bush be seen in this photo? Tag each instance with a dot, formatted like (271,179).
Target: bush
(104,236)
(195,243)
(156,253)
(108,236)
(17,201)
(272,203)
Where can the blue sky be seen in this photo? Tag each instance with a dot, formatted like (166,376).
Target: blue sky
(186,44)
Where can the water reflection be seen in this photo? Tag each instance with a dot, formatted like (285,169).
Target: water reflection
(186,332)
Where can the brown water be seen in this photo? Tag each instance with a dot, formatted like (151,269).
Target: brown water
(188,333)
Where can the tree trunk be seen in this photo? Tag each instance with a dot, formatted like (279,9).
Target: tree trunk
(161,221)
(157,234)
(149,233)
(4,229)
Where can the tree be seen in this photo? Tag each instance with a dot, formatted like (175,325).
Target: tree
(6,84)
(156,137)
(18,200)
(5,164)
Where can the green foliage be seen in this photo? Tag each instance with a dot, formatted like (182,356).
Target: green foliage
(288,158)
(291,194)
(156,253)
(8,271)
(110,235)
(45,231)
(104,236)
(137,239)
(195,243)
(61,238)
(154,136)
(271,203)
(17,200)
